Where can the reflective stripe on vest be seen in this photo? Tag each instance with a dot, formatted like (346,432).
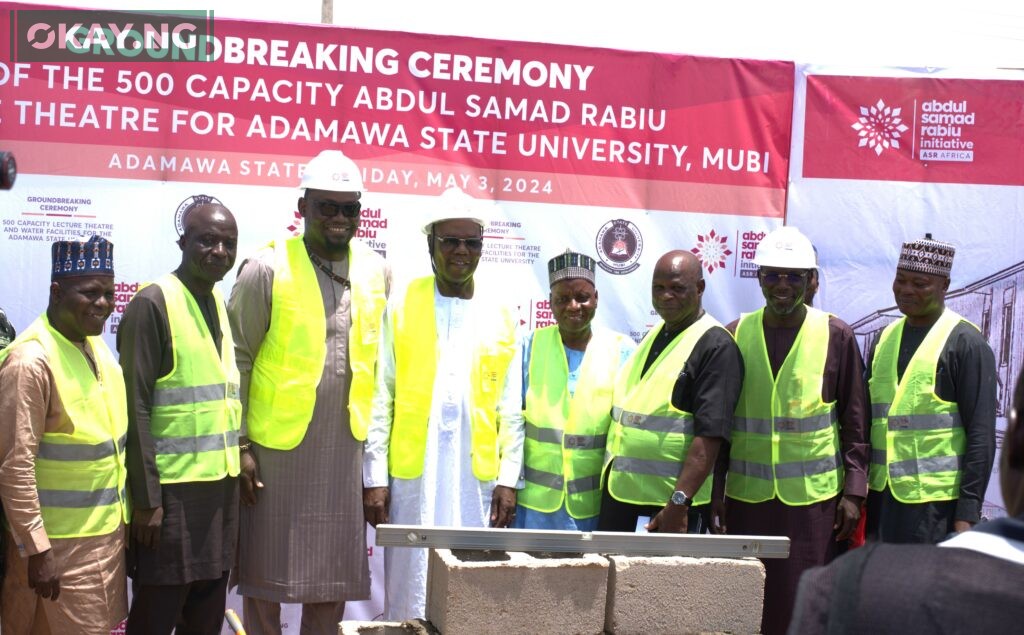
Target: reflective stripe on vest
(74,499)
(415,348)
(80,452)
(566,435)
(798,469)
(196,412)
(785,439)
(192,394)
(649,437)
(917,439)
(220,442)
(290,362)
(679,424)
(80,477)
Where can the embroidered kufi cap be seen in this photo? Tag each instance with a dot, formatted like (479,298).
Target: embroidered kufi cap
(927,255)
(92,256)
(571,265)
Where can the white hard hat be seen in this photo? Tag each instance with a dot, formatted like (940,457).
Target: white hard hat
(332,171)
(453,204)
(786,248)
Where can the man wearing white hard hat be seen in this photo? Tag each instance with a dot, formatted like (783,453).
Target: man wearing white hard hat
(306,388)
(797,464)
(445,447)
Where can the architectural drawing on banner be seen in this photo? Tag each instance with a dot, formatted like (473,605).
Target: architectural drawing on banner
(995,304)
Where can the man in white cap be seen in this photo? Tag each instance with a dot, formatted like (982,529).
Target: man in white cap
(306,388)
(447,421)
(569,373)
(932,382)
(797,464)
(62,456)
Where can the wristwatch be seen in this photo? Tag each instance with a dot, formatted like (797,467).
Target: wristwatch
(679,497)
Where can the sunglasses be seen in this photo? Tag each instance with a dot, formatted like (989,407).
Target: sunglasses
(775,277)
(331,208)
(451,243)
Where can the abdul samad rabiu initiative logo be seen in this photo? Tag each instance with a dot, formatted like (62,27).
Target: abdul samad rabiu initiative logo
(712,250)
(879,127)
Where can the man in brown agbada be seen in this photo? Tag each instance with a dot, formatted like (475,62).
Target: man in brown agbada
(62,470)
(305,313)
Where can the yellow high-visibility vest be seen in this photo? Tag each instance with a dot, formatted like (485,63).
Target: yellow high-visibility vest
(80,477)
(649,437)
(290,361)
(917,439)
(196,412)
(566,435)
(785,438)
(416,355)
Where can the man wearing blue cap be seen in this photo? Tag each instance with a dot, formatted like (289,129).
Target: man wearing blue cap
(305,314)
(62,471)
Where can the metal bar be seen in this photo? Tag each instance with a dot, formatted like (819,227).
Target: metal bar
(694,545)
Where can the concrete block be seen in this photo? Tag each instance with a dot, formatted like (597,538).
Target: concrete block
(411,627)
(475,593)
(684,595)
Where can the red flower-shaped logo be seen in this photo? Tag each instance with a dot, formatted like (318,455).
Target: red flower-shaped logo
(712,250)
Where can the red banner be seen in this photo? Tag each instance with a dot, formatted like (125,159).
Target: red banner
(508,120)
(914,129)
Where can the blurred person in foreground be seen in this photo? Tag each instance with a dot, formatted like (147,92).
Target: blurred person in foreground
(971,583)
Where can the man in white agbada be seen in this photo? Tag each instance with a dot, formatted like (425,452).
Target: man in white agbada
(447,425)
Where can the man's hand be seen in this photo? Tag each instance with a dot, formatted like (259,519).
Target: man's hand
(146,526)
(960,526)
(503,506)
(376,503)
(672,519)
(43,575)
(847,516)
(718,508)
(251,482)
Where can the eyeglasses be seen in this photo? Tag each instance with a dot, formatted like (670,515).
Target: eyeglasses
(451,243)
(775,277)
(332,208)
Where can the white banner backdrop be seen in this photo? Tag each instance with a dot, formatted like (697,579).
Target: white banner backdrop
(881,156)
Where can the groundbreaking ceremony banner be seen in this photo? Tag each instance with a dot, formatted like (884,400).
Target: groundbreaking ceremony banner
(883,156)
(116,120)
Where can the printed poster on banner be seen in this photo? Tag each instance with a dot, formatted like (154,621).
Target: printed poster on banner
(884,158)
